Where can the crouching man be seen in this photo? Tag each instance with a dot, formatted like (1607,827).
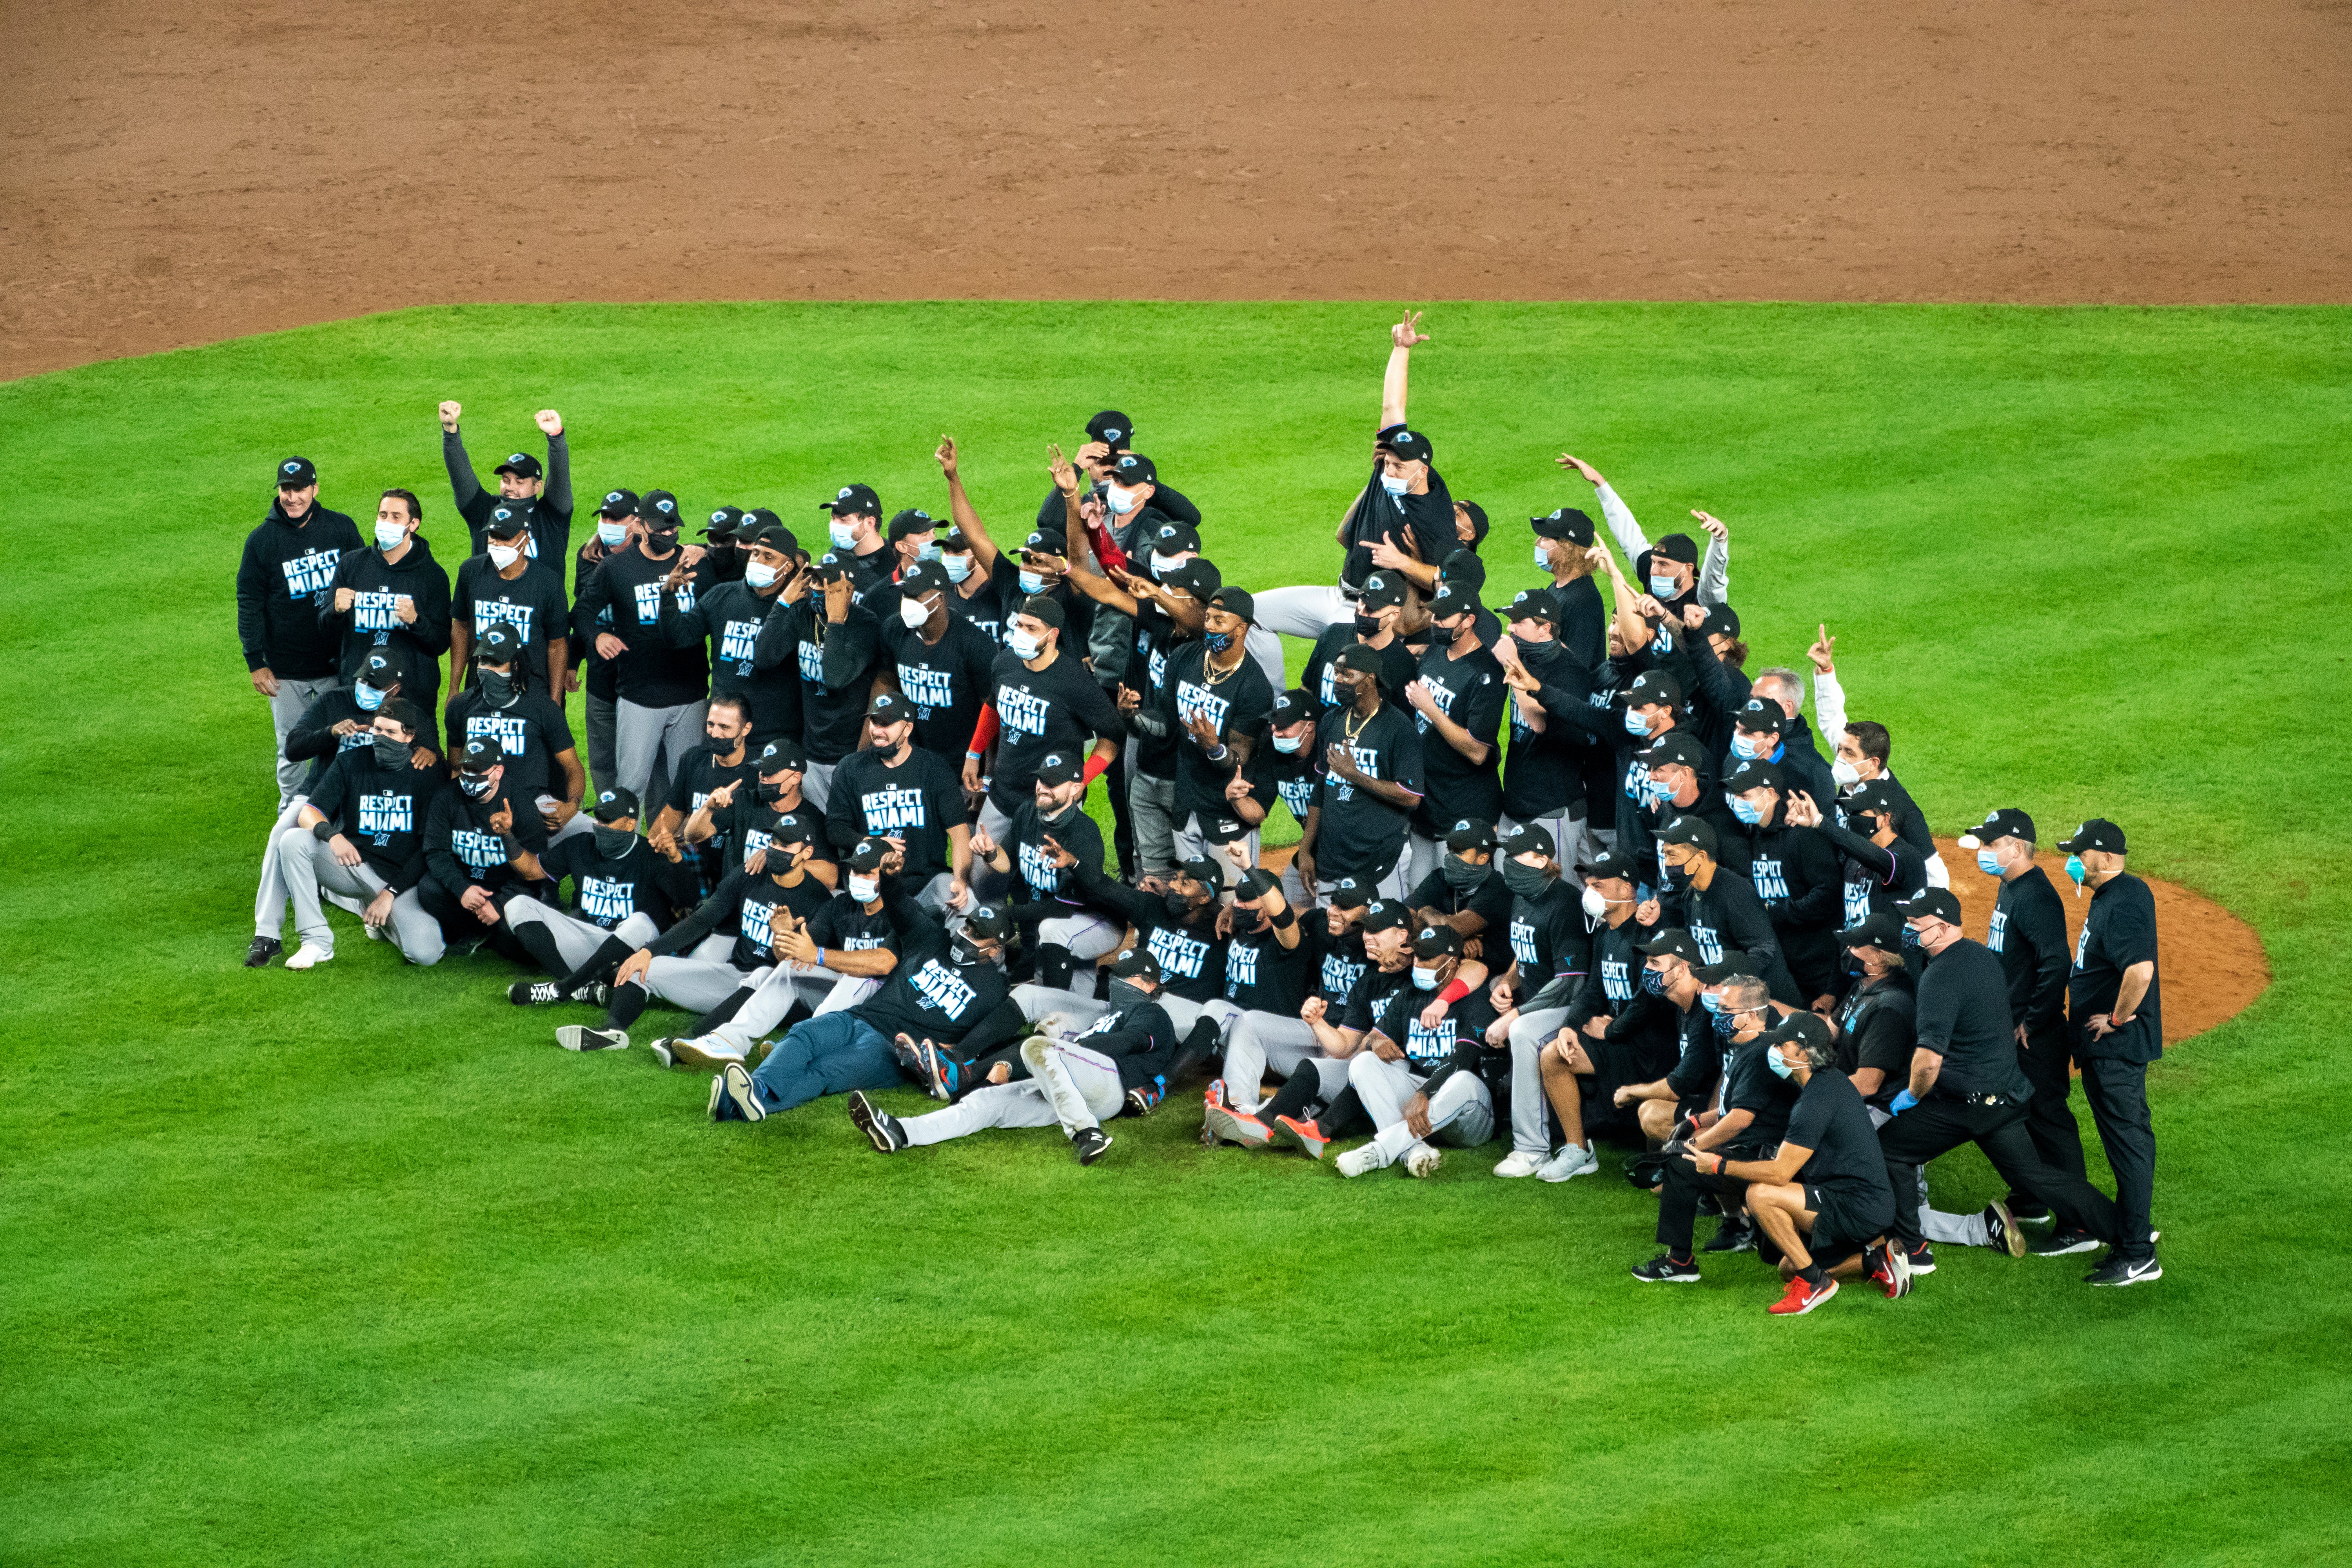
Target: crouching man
(360,836)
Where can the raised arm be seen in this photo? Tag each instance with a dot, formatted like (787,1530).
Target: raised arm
(462,482)
(1714,569)
(1401,338)
(960,510)
(1620,517)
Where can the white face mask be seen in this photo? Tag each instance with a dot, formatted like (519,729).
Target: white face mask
(1845,772)
(1595,905)
(388,535)
(1395,485)
(843,532)
(504,555)
(1163,564)
(612,535)
(1022,644)
(759,575)
(1120,498)
(957,567)
(913,612)
(864,889)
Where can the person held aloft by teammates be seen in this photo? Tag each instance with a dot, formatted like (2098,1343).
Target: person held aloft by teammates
(1405,502)
(1425,1071)
(725,944)
(482,840)
(1554,727)
(2112,1005)
(1040,701)
(1613,1033)
(1669,999)
(1266,1041)
(1718,906)
(1550,952)
(1822,1200)
(504,586)
(542,493)
(1050,835)
(284,583)
(394,596)
(854,538)
(618,528)
(624,891)
(543,766)
(1216,701)
(909,799)
(1877,869)
(1457,702)
(1743,1121)
(939,661)
(1368,753)
(729,615)
(836,647)
(360,834)
(1075,1082)
(1965,1086)
(339,721)
(825,963)
(659,688)
(1796,872)
(724,759)
(2029,930)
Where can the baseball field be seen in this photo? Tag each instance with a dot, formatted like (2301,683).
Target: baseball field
(2010,342)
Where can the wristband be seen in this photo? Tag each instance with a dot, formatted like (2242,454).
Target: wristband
(972,756)
(1285,920)
(322,830)
(1454,992)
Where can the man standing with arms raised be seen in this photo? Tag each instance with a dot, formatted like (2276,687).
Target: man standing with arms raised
(283,583)
(544,496)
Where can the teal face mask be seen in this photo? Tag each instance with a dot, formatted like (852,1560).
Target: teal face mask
(2074,868)
(1741,809)
(1779,1064)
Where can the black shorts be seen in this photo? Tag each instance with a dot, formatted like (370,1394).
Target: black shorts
(1839,1231)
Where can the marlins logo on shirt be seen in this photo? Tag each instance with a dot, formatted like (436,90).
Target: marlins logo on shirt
(1367,760)
(307,576)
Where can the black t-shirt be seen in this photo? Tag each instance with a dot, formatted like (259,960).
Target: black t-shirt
(931,994)
(744,825)
(1964,1018)
(1061,890)
(374,620)
(845,925)
(313,739)
(462,850)
(1550,941)
(1428,1047)
(531,730)
(699,773)
(916,802)
(1489,899)
(600,678)
(1544,771)
(1192,956)
(652,672)
(946,681)
(743,907)
(1845,1167)
(1583,627)
(1878,1027)
(1288,777)
(381,811)
(729,616)
(1398,666)
(1470,691)
(1235,704)
(1340,964)
(1750,1085)
(2029,932)
(1153,644)
(836,666)
(606,891)
(1077,610)
(532,603)
(2119,931)
(1421,525)
(1039,712)
(1263,976)
(1615,978)
(1359,834)
(983,611)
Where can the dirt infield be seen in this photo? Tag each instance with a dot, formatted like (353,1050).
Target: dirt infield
(177,174)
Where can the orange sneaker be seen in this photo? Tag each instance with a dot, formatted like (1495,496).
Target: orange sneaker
(1801,1298)
(1306,1134)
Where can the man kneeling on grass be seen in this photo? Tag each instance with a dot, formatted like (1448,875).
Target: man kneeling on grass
(1077,1083)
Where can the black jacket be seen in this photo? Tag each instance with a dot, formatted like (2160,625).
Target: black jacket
(283,581)
(371,623)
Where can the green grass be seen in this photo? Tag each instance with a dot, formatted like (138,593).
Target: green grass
(358,1267)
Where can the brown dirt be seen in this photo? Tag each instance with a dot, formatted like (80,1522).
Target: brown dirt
(177,173)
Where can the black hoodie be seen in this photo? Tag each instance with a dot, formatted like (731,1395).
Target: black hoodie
(372,621)
(283,586)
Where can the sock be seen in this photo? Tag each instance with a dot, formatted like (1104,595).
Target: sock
(1194,1052)
(540,942)
(602,965)
(627,1001)
(725,1012)
(1054,964)
(1811,1275)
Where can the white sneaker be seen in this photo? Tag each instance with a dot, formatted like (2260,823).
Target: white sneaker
(309,955)
(1520,1163)
(1421,1162)
(1356,1162)
(373,933)
(1573,1160)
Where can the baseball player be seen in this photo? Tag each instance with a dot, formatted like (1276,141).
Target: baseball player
(723,759)
(838,649)
(394,596)
(1216,701)
(358,834)
(967,559)
(939,661)
(1550,951)
(1612,1034)
(910,799)
(743,817)
(854,534)
(505,586)
(1377,624)
(1795,872)
(1554,727)
(1368,754)
(1041,701)
(283,583)
(1426,1072)
(731,615)
(1878,869)
(481,840)
(2029,930)
(1270,1038)
(1671,987)
(1110,434)
(1564,550)
(617,527)
(543,494)
(1719,907)
(623,890)
(1048,837)
(659,688)
(542,764)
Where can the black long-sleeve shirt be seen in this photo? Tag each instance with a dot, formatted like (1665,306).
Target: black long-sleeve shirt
(2029,932)
(1726,913)
(651,671)
(550,513)
(284,583)
(374,620)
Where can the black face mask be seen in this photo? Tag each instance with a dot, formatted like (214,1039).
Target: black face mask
(965,952)
(612,843)
(1462,875)
(1126,993)
(1368,626)
(499,688)
(770,793)
(1179,906)
(661,542)
(390,752)
(476,785)
(1527,881)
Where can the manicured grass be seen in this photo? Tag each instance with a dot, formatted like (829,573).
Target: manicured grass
(358,1267)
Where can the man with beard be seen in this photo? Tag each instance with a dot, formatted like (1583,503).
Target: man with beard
(505,587)
(284,582)
(394,596)
(542,494)
(541,762)
(659,688)
(1795,872)
(1368,754)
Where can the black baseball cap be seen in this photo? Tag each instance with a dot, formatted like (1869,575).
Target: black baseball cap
(479,755)
(1801,1029)
(1356,656)
(796,827)
(1678,547)
(2096,833)
(1733,961)
(1176,539)
(868,856)
(1059,768)
(1199,577)
(1380,590)
(1880,931)
(1256,883)
(1873,795)
(498,644)
(915,520)
(1610,866)
(832,567)
(1112,428)
(1203,869)
(618,504)
(507,522)
(1450,601)
(1534,604)
(1384,914)
(1134,469)
(1675,749)
(2006,823)
(1671,941)
(1043,607)
(1350,893)
(1752,773)
(1403,442)
(1566,524)
(1941,903)
(782,756)
(888,708)
(1039,543)
(1463,569)
(1235,600)
(383,669)
(723,523)
(1720,618)
(923,577)
(1136,963)
(521,464)
(614,804)
(1290,708)
(1691,830)
(987,924)
(853,500)
(659,510)
(1478,516)
(1654,687)
(1527,838)
(1437,942)
(296,472)
(1470,832)
(1762,716)
(775,535)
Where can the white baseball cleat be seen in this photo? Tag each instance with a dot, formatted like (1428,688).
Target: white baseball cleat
(309,955)
(1421,1162)
(1356,1162)
(1573,1160)
(1519,1164)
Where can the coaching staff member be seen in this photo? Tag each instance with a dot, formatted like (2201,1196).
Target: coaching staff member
(282,583)
(2112,999)
(2029,932)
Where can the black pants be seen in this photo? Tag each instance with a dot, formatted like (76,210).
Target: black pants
(2049,1120)
(1678,1203)
(458,923)
(2117,1091)
(1936,1126)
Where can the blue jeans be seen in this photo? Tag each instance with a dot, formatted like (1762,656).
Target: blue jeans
(832,1053)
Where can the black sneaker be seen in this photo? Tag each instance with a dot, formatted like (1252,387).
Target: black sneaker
(1922,1258)
(2003,1233)
(2059,1243)
(597,994)
(879,1126)
(1734,1234)
(574,1037)
(1664,1269)
(533,992)
(1089,1145)
(263,950)
(1145,1098)
(907,1054)
(2121,1270)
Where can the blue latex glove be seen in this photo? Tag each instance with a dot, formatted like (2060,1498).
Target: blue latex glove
(1901,1103)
